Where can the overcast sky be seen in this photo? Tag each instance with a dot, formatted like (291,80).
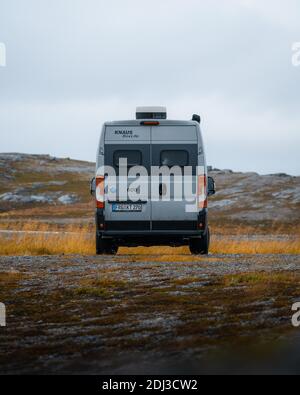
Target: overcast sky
(73,64)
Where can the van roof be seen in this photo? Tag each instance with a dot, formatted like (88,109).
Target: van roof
(162,122)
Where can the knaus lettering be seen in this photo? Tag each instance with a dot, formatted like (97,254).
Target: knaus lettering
(124,132)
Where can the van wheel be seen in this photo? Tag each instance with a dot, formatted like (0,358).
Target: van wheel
(99,245)
(200,246)
(104,246)
(110,248)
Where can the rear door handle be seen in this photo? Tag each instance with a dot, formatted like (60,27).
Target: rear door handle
(162,189)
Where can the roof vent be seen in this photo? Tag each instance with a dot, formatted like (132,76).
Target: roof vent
(151,113)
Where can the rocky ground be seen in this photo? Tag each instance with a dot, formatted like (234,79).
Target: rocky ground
(137,314)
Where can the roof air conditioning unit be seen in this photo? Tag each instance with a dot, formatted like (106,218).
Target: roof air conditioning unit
(151,113)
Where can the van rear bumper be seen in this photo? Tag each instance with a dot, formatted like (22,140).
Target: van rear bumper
(148,239)
(151,232)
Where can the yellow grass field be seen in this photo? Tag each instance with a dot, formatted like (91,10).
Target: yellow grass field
(45,239)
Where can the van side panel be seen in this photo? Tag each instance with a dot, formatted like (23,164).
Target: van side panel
(201,151)
(100,150)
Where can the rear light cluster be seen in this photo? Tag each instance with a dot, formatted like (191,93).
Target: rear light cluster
(202,192)
(100,197)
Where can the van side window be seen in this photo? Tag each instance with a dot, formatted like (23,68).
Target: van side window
(174,158)
(134,158)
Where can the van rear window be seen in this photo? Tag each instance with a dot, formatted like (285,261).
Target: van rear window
(174,158)
(134,158)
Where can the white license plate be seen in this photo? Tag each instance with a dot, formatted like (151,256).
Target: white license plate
(124,207)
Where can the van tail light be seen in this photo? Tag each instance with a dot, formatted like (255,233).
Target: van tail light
(202,192)
(100,197)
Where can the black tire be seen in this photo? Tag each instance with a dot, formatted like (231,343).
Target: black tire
(110,247)
(99,245)
(200,246)
(104,246)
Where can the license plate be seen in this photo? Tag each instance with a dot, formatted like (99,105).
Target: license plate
(124,207)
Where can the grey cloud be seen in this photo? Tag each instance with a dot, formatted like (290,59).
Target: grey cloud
(73,64)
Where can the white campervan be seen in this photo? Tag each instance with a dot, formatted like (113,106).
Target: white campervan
(151,183)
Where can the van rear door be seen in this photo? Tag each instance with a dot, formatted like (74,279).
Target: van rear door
(131,143)
(175,146)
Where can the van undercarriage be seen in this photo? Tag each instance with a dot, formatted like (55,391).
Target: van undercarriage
(109,237)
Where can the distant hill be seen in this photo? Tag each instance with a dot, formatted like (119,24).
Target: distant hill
(41,186)
(250,198)
(44,186)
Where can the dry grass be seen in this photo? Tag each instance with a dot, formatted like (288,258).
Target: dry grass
(75,239)
(255,247)
(260,278)
(48,241)
(7,278)
(219,246)
(225,226)
(76,210)
(102,287)
(41,226)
